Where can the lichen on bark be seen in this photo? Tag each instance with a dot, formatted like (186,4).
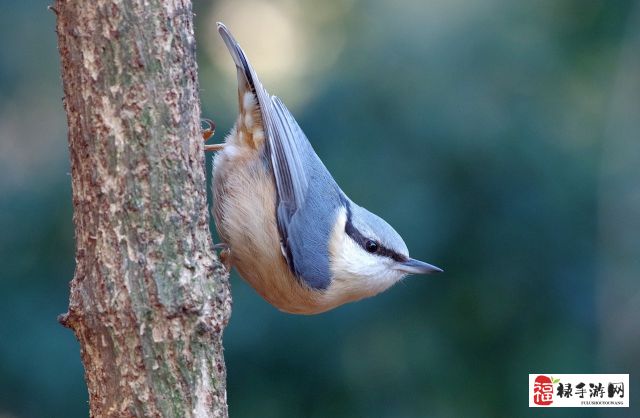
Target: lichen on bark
(149,300)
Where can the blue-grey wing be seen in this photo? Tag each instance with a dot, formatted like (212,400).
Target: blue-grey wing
(308,197)
(287,148)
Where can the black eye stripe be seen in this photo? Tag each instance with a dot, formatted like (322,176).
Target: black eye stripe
(386,252)
(362,241)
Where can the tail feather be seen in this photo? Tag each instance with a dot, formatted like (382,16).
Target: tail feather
(247,78)
(245,72)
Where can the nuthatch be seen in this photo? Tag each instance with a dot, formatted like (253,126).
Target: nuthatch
(293,234)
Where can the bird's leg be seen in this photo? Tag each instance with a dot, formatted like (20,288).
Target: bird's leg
(208,133)
(225,254)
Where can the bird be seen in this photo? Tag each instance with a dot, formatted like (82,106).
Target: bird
(290,230)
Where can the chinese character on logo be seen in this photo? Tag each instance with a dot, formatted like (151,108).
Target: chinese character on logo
(543,391)
(596,390)
(615,389)
(565,390)
(580,390)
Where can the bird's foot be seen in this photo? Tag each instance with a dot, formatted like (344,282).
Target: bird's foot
(208,133)
(225,254)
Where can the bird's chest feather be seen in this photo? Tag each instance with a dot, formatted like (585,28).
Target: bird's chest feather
(244,207)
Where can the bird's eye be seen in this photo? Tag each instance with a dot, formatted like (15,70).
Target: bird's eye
(371,246)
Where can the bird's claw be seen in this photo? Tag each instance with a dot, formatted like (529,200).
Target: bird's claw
(225,254)
(207,133)
(209,130)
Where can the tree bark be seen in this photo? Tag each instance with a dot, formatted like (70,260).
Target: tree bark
(149,300)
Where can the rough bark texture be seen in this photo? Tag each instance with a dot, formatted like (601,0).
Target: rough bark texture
(149,300)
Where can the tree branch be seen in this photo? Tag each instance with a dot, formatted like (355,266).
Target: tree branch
(149,301)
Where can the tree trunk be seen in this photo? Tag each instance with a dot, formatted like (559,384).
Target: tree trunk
(149,300)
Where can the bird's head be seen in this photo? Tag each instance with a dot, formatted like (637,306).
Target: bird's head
(367,255)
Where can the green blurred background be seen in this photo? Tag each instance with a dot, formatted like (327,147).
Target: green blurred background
(500,138)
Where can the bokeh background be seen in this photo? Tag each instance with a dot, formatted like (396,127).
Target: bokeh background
(502,140)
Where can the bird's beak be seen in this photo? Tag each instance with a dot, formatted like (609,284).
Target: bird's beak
(413,266)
